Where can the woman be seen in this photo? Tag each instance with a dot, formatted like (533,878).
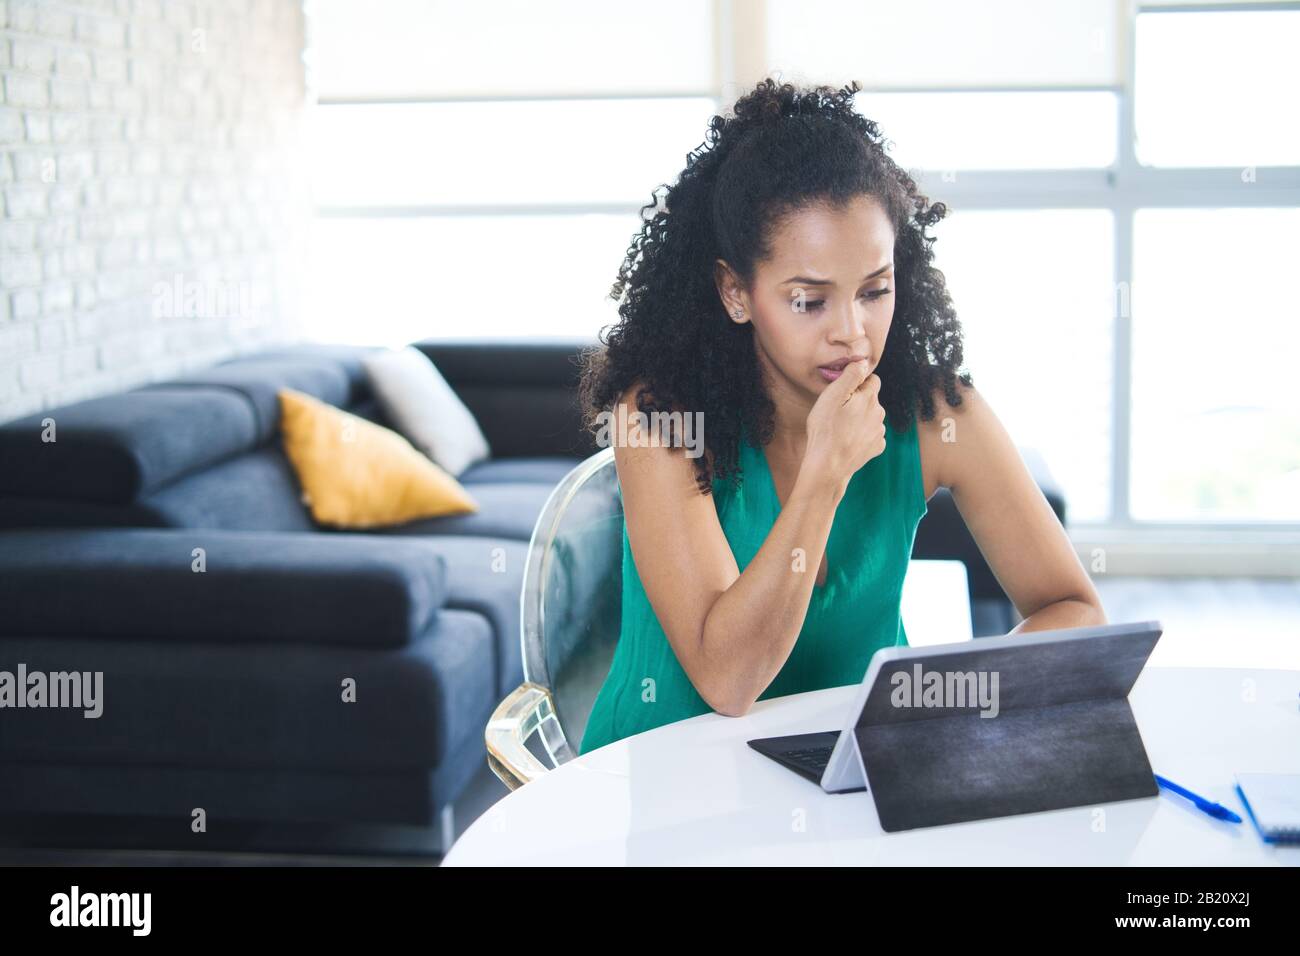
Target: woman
(786,297)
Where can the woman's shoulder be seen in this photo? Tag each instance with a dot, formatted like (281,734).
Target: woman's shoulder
(946,412)
(630,399)
(938,436)
(966,394)
(648,453)
(638,388)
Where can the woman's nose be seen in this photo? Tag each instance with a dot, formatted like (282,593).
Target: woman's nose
(850,326)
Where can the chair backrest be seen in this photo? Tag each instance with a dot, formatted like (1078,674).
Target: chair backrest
(936,604)
(572,598)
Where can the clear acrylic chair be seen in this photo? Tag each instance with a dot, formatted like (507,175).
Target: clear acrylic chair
(569,621)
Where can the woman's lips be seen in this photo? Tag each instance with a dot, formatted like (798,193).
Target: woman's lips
(833,371)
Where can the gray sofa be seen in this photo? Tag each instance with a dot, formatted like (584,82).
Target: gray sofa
(224,687)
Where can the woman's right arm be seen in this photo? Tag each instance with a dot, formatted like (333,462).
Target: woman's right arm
(733,632)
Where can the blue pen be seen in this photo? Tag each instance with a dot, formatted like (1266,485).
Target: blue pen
(1216,810)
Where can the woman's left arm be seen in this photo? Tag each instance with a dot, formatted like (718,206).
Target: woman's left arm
(1016,529)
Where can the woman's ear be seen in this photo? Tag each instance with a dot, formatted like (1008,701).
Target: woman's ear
(730,292)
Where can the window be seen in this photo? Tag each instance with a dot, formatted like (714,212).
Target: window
(437,50)
(1011,130)
(1216,332)
(502,153)
(1218,88)
(1033,289)
(390,281)
(478,169)
(1134,169)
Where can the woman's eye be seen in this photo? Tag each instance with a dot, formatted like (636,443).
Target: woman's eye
(873,294)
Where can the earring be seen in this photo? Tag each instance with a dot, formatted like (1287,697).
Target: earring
(738,313)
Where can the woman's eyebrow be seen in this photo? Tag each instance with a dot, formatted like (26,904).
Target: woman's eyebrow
(804,280)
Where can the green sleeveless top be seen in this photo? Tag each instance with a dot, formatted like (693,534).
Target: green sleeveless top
(850,617)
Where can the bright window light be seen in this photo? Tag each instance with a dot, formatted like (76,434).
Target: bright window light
(1034,291)
(1216,332)
(1218,88)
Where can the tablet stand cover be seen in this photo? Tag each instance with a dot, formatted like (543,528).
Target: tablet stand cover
(1063,735)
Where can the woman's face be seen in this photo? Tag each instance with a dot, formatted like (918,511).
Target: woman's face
(825,294)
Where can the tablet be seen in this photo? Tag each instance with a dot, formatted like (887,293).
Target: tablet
(986,727)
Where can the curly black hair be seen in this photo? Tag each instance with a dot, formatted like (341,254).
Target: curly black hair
(782,149)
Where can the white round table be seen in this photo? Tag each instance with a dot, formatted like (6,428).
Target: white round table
(694,793)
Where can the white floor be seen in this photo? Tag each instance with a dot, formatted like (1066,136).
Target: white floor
(1212,622)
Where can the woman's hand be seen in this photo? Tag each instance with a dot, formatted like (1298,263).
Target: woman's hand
(846,427)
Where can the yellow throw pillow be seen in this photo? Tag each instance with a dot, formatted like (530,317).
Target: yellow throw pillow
(356,474)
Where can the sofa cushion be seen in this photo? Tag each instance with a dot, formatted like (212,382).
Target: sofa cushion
(542,470)
(356,474)
(22,512)
(523,392)
(221,496)
(371,411)
(425,409)
(271,809)
(250,588)
(507,509)
(485,575)
(116,448)
(262,706)
(259,380)
(346,357)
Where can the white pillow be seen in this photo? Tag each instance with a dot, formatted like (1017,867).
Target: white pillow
(423,407)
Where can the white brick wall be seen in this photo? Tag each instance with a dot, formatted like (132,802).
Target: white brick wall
(153,218)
